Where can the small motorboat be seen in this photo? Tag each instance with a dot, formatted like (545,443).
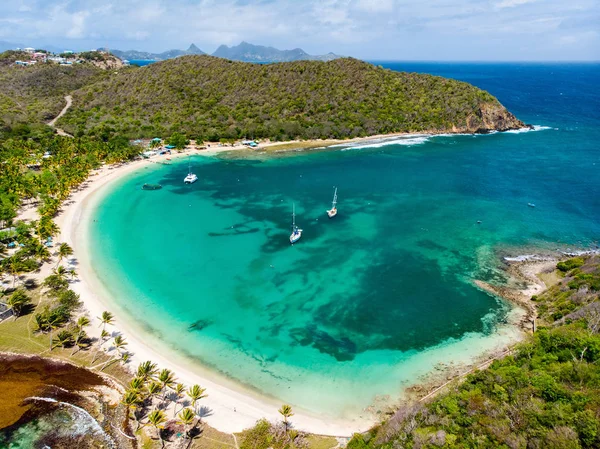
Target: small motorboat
(531,204)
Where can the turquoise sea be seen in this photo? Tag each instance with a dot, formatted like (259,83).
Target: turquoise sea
(366,303)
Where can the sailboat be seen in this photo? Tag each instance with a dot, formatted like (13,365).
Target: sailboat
(296,232)
(333,211)
(191,177)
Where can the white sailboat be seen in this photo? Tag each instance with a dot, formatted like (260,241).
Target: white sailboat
(296,232)
(191,177)
(333,211)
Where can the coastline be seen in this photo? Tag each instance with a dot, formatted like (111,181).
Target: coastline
(234,407)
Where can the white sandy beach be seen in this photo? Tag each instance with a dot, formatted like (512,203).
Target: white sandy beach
(232,409)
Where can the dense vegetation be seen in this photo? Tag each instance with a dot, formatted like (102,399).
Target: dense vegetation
(545,395)
(43,172)
(210,98)
(31,96)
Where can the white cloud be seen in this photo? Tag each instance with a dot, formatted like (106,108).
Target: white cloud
(512,3)
(460,29)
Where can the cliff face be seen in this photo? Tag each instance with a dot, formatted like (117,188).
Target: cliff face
(492,117)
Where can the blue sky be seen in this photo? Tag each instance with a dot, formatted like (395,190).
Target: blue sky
(368,29)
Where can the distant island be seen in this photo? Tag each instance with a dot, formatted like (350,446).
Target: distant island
(243,52)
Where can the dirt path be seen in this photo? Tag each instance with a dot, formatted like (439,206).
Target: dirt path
(51,123)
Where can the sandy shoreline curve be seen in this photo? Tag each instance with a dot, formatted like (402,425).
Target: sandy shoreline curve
(232,409)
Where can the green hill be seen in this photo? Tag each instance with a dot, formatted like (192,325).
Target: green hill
(211,98)
(34,95)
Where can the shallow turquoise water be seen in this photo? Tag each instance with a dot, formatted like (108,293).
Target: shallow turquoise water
(364,303)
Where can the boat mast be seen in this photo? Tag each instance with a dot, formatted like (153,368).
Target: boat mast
(334,198)
(293,217)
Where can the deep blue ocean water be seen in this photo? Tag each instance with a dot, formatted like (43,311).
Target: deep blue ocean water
(366,303)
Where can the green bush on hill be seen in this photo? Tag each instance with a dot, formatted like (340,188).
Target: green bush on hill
(210,99)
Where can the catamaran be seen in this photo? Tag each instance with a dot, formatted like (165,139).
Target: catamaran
(333,211)
(191,177)
(296,232)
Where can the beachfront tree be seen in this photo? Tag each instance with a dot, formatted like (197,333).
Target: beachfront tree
(41,253)
(147,370)
(179,390)
(131,400)
(64,338)
(154,389)
(157,418)
(52,323)
(61,272)
(195,393)
(55,283)
(166,379)
(187,417)
(17,302)
(104,335)
(106,318)
(64,250)
(286,412)
(137,384)
(80,341)
(178,140)
(119,343)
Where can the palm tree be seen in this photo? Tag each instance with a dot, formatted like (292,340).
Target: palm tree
(64,250)
(157,418)
(179,390)
(79,340)
(53,323)
(137,384)
(187,417)
(103,337)
(119,343)
(107,318)
(154,389)
(41,253)
(17,302)
(41,322)
(82,321)
(63,338)
(166,379)
(61,272)
(286,412)
(80,336)
(131,400)
(195,393)
(146,370)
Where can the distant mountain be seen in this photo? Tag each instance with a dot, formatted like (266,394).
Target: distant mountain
(258,53)
(134,54)
(9,46)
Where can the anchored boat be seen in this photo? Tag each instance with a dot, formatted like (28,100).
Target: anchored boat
(333,211)
(191,177)
(296,232)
